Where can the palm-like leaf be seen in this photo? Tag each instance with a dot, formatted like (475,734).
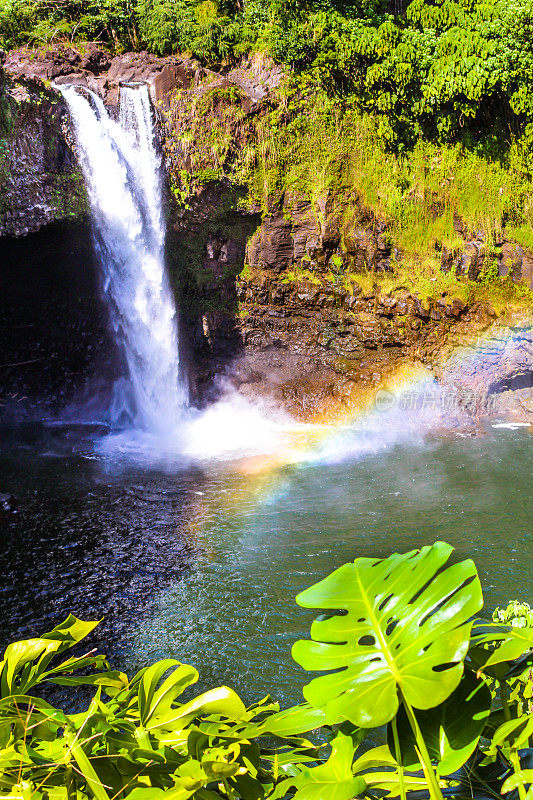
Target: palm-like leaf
(451,730)
(406,627)
(333,779)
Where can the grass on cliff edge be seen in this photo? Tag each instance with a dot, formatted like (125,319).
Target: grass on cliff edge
(324,148)
(304,144)
(426,280)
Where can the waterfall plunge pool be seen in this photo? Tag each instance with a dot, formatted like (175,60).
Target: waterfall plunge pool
(201,560)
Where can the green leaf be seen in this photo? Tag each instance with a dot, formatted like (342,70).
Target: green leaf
(25,662)
(149,679)
(221,701)
(14,700)
(389,782)
(333,779)
(248,788)
(190,776)
(515,643)
(71,631)
(521,778)
(406,627)
(388,778)
(295,720)
(16,657)
(85,766)
(451,730)
(179,793)
(112,679)
(290,722)
(176,683)
(376,757)
(71,664)
(514,732)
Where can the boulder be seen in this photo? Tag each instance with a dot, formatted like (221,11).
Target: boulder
(516,262)
(471,261)
(273,245)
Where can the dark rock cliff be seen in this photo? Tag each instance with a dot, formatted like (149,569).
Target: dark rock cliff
(264,288)
(39,179)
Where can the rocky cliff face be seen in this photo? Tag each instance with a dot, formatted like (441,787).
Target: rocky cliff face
(283,289)
(39,179)
(289,294)
(496,371)
(309,340)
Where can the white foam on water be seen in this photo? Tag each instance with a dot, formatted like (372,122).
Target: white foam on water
(511,426)
(230,429)
(235,428)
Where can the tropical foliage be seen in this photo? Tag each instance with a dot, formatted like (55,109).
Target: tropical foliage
(38,22)
(136,739)
(398,646)
(451,69)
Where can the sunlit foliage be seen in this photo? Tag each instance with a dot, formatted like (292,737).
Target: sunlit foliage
(447,69)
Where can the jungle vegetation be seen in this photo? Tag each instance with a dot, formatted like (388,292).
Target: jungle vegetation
(449,70)
(400,652)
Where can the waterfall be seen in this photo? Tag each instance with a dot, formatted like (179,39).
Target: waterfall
(122,172)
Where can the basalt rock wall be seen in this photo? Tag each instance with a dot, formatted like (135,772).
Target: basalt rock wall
(287,295)
(40,181)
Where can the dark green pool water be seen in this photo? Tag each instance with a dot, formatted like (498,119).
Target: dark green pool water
(203,562)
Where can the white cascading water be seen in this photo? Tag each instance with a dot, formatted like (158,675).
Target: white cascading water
(123,175)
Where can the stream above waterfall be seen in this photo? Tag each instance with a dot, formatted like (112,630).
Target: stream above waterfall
(202,561)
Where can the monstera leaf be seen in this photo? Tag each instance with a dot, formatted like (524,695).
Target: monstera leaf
(451,730)
(405,627)
(333,779)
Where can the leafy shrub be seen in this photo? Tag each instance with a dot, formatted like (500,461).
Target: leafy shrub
(136,739)
(398,645)
(38,22)
(451,70)
(158,28)
(170,26)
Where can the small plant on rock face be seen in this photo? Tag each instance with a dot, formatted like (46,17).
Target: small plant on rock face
(398,646)
(489,274)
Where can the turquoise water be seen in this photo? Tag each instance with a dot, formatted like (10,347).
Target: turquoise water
(203,562)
